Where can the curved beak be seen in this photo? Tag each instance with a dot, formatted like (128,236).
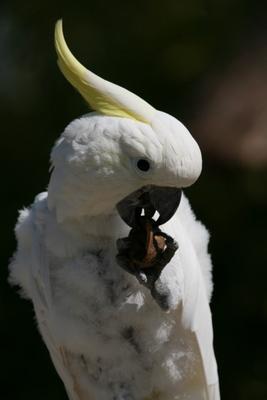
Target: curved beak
(148,200)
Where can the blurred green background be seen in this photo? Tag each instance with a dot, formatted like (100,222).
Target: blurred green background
(205,62)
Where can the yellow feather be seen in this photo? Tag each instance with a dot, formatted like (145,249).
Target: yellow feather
(103,96)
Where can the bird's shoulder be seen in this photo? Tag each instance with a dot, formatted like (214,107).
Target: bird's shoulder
(28,231)
(199,237)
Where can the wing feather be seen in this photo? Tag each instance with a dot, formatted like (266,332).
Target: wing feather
(196,314)
(30,270)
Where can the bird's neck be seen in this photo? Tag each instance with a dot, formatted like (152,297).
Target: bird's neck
(93,233)
(101,225)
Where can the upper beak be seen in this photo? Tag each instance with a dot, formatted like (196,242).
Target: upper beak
(149,199)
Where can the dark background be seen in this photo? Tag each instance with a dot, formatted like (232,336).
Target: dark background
(205,62)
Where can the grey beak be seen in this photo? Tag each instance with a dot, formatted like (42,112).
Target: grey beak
(164,200)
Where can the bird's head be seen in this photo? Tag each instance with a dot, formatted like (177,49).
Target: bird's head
(111,157)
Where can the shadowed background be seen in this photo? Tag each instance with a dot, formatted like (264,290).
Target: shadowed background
(205,62)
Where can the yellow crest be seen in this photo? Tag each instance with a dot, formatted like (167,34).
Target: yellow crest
(102,96)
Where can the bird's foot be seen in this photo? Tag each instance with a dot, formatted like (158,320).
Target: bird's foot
(149,276)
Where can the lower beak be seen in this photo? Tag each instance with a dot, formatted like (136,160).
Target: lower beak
(148,200)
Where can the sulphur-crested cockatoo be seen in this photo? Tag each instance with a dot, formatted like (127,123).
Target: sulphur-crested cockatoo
(107,336)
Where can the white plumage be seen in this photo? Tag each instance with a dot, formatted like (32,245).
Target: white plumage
(107,337)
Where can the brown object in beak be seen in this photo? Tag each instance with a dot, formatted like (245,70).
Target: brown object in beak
(147,243)
(155,244)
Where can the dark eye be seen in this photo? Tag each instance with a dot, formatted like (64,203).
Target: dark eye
(143,165)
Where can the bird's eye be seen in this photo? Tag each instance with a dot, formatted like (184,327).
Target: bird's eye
(143,165)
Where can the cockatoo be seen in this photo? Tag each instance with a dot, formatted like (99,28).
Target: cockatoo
(108,336)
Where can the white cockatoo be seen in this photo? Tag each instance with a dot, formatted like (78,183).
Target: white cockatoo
(108,336)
